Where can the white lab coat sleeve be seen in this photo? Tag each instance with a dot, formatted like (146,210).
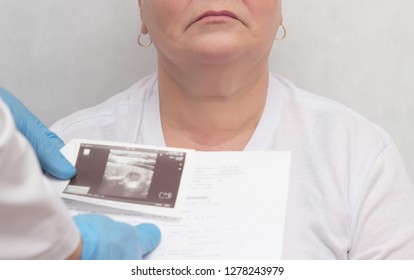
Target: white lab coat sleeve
(34,222)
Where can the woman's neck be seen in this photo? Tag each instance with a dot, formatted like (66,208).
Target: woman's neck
(206,108)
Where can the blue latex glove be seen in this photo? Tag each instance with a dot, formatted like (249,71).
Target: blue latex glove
(106,239)
(45,143)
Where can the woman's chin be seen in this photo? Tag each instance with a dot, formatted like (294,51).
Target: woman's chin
(218,52)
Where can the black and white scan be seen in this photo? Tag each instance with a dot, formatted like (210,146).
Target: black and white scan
(128,174)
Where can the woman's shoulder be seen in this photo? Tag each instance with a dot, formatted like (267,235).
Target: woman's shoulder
(112,111)
(324,114)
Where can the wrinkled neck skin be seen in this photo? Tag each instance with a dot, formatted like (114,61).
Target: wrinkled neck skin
(211,106)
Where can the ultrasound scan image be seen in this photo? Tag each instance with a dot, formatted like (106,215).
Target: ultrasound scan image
(128,174)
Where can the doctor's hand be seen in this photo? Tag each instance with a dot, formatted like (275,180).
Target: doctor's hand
(45,143)
(106,239)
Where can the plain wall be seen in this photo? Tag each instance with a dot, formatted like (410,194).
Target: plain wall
(59,56)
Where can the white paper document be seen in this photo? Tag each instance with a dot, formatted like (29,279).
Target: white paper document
(234,207)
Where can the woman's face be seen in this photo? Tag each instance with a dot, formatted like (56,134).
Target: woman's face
(211,31)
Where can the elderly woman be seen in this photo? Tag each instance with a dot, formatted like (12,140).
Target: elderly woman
(350,196)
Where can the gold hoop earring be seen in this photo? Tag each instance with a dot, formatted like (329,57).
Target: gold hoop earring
(143,44)
(284,33)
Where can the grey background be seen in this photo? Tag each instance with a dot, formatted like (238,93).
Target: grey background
(59,56)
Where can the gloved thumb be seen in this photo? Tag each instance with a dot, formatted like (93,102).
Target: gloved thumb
(149,237)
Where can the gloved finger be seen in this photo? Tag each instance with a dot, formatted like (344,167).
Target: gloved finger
(45,143)
(47,146)
(48,135)
(149,237)
(54,163)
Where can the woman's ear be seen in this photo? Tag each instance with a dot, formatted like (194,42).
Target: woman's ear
(144,29)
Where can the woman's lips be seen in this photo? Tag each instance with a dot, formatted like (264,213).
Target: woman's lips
(216,16)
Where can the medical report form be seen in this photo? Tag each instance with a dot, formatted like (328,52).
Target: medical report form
(233,208)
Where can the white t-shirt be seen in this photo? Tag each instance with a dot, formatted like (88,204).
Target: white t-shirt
(34,222)
(349,196)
